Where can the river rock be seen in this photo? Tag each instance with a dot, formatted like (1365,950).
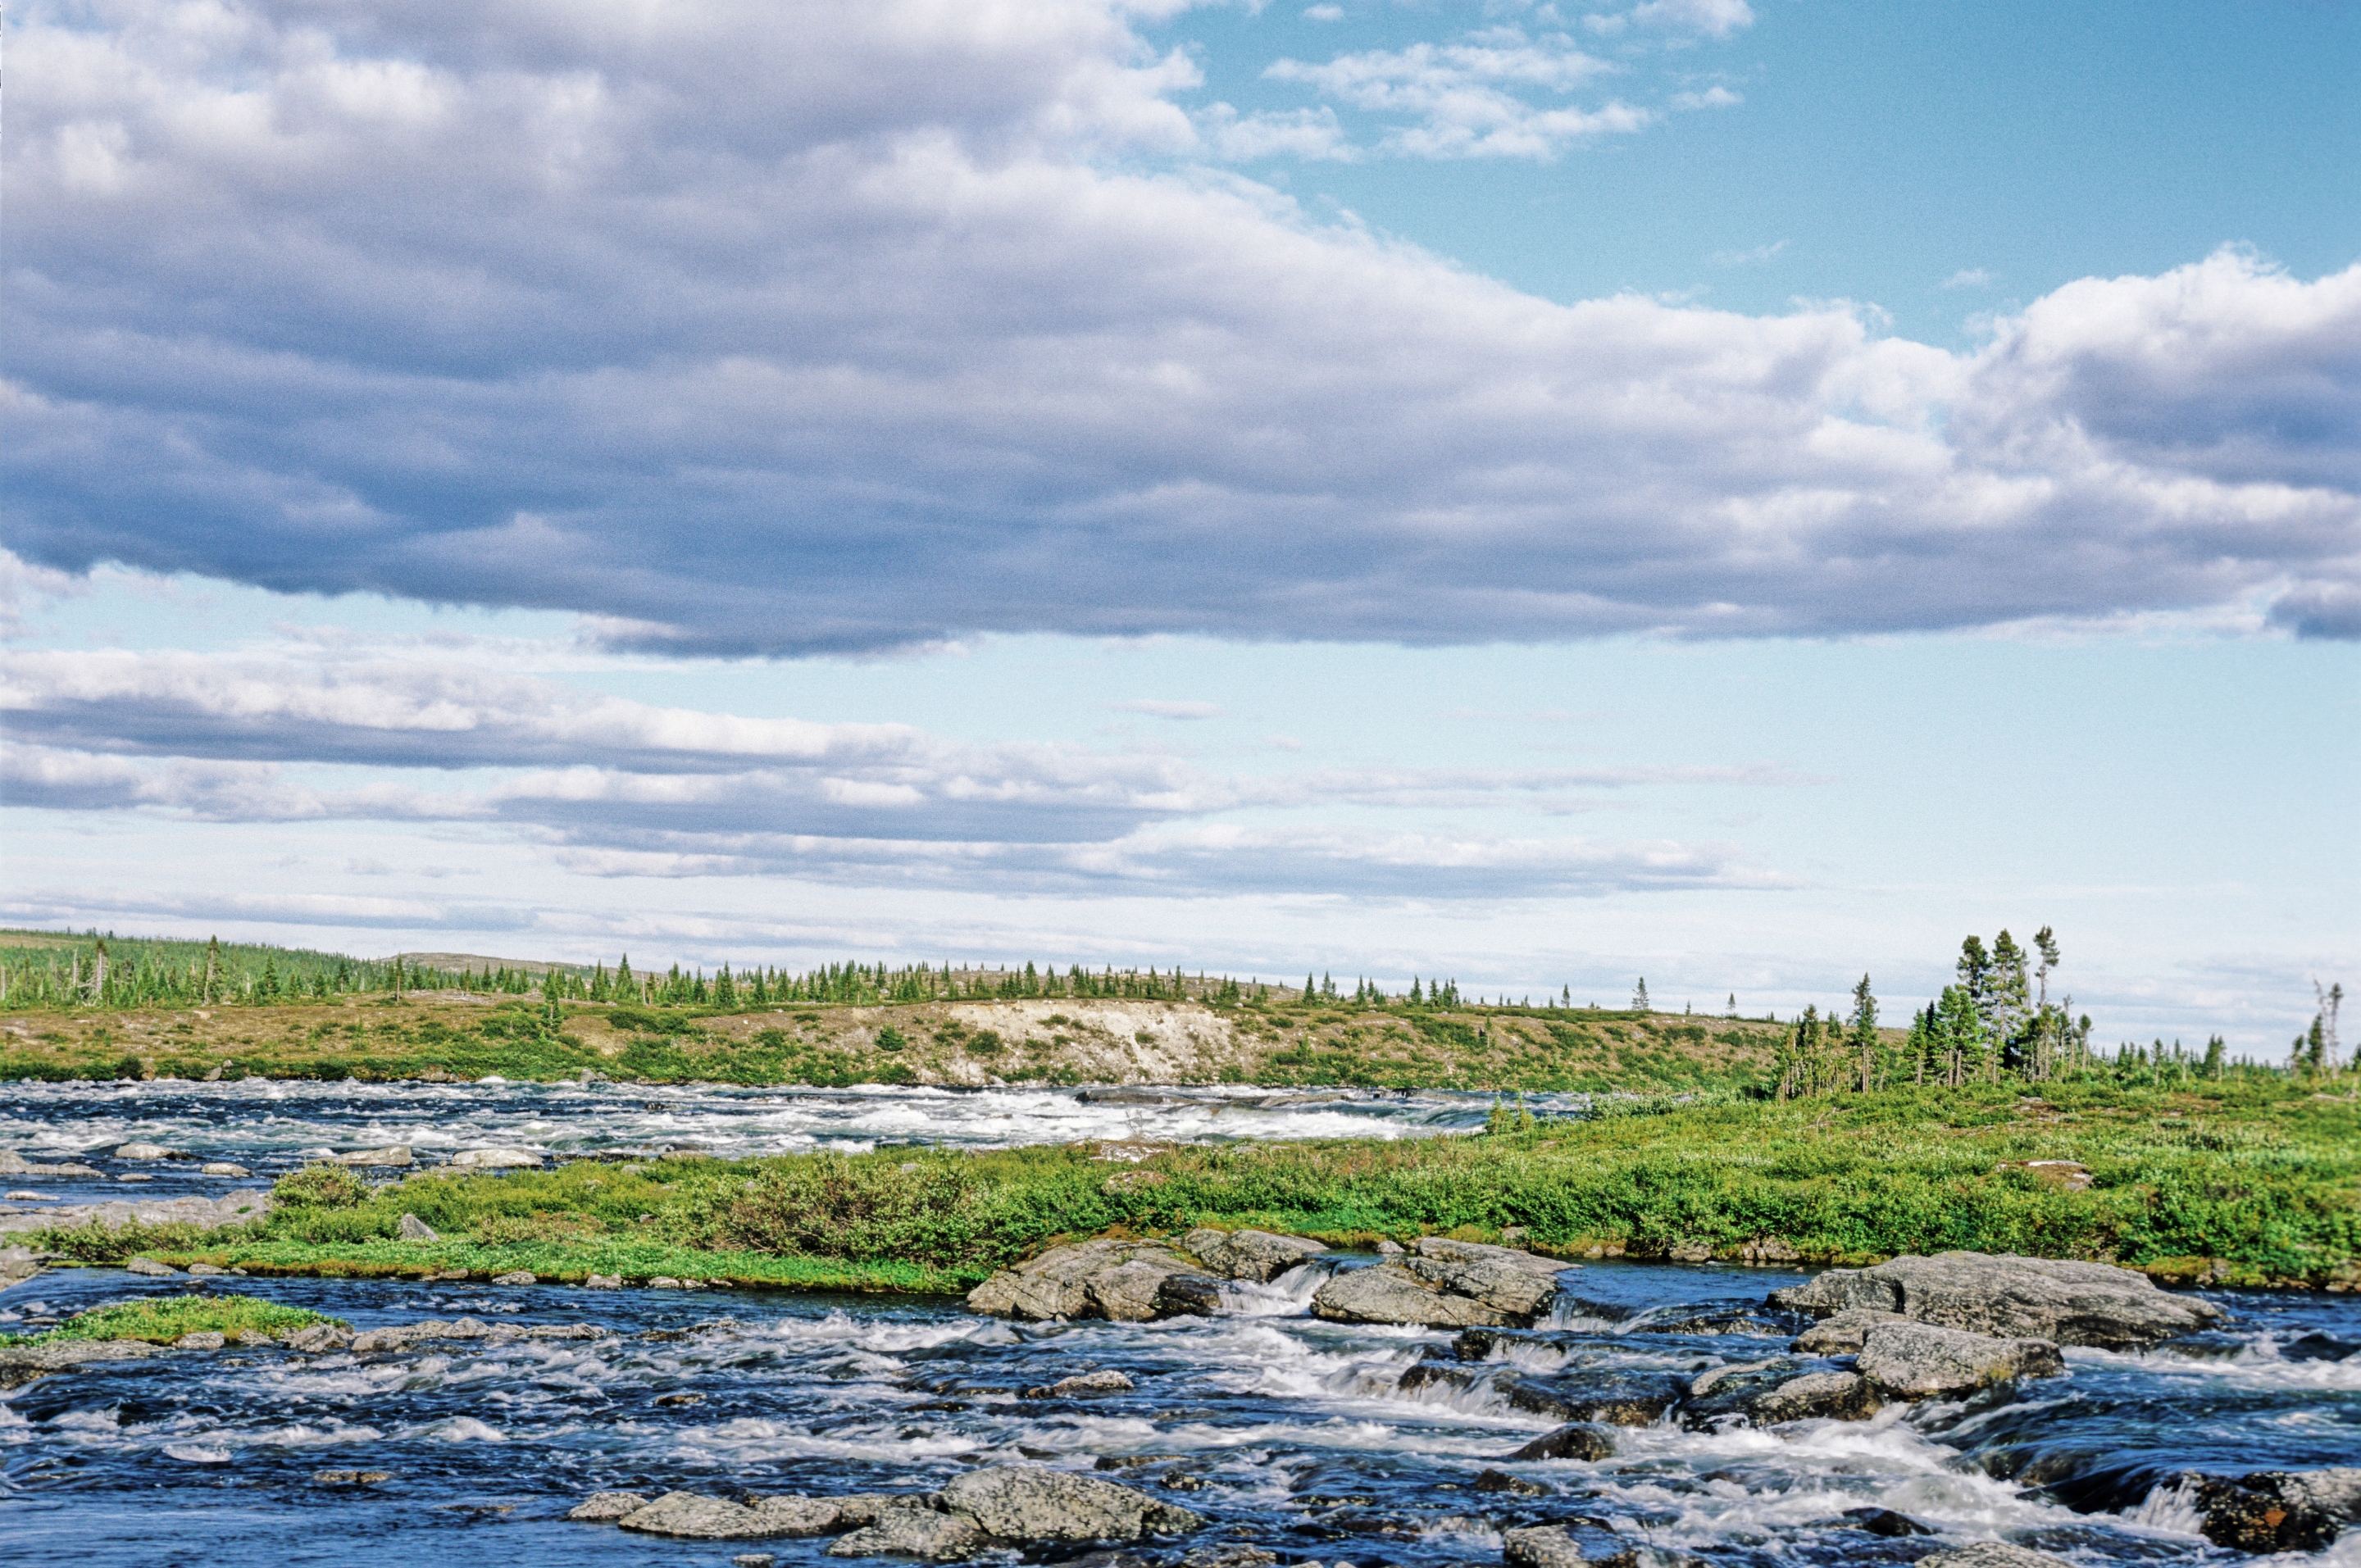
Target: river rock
(1575,1440)
(1920,1361)
(13,1164)
(1442,1283)
(1766,1393)
(515,1276)
(913,1529)
(222,1167)
(394,1155)
(1841,1334)
(696,1517)
(2317,1347)
(414,1229)
(1258,1256)
(1189,1296)
(497,1159)
(1390,1293)
(1086,1279)
(2276,1510)
(602,1282)
(1024,1502)
(607,1505)
(1102,1382)
(201,1338)
(1542,1546)
(319,1339)
(20,1364)
(2062,1300)
(149,1266)
(798,1517)
(1991,1554)
(1615,1398)
(145,1152)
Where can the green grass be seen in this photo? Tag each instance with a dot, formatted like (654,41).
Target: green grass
(161,1319)
(2260,1173)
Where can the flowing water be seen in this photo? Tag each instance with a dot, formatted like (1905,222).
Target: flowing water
(1284,1431)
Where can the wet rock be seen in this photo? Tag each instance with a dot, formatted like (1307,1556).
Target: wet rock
(1434,1374)
(201,1338)
(1087,1383)
(350,1478)
(222,1167)
(603,1506)
(134,1177)
(798,1517)
(394,1155)
(1239,1556)
(1766,1393)
(497,1159)
(1885,1522)
(1991,1554)
(1017,1502)
(150,1266)
(1188,1296)
(1575,1440)
(319,1339)
(1390,1249)
(749,1559)
(1258,1256)
(682,1400)
(206,1271)
(2316,1347)
(913,1531)
(2064,1301)
(145,1152)
(1818,1396)
(1841,1334)
(2276,1510)
(414,1229)
(13,1164)
(1065,1282)
(602,1282)
(1542,1546)
(696,1518)
(515,1276)
(1501,1481)
(21,1364)
(1519,1283)
(1390,1293)
(1616,1398)
(1732,1320)
(1919,1361)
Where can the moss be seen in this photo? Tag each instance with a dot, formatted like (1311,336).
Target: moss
(163,1319)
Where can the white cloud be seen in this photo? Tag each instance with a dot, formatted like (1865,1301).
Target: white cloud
(1755,257)
(1310,133)
(1711,98)
(1158,708)
(1706,18)
(1968,277)
(1323,13)
(765,330)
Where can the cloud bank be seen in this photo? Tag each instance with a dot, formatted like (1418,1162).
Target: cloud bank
(783,328)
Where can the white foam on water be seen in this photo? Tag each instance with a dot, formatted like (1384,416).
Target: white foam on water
(458,1429)
(2172,1509)
(198,1453)
(2257,1365)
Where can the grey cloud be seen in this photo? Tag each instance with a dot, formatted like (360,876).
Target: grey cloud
(763,330)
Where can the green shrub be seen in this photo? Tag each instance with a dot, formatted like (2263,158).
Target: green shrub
(983,1043)
(321,1186)
(889,1038)
(160,1320)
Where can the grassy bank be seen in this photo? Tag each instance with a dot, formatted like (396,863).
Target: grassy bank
(2250,1181)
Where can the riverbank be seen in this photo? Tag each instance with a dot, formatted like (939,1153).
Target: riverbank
(2250,1182)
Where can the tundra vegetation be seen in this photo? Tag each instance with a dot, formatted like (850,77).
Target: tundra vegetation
(1991,1123)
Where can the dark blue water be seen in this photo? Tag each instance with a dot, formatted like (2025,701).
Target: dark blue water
(1283,1429)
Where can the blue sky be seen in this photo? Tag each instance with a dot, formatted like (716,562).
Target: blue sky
(1745,494)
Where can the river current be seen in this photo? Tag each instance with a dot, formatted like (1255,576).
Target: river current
(1286,1431)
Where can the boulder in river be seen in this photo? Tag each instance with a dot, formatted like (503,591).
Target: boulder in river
(1086,1383)
(1542,1546)
(515,1276)
(696,1517)
(1575,1440)
(1766,1393)
(20,1364)
(1615,1398)
(1022,1502)
(1442,1283)
(497,1159)
(150,1266)
(14,1164)
(1920,1361)
(2276,1510)
(1841,1334)
(1258,1256)
(2065,1301)
(394,1155)
(1108,1278)
(201,1338)
(145,1152)
(222,1167)
(603,1506)
(912,1530)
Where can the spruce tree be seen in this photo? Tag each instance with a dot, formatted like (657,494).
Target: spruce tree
(1640,997)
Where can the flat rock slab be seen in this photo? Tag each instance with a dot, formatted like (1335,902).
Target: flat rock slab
(1919,1361)
(1618,1398)
(1258,1256)
(1390,1293)
(605,1506)
(1019,1502)
(2062,1301)
(1115,1279)
(692,1515)
(918,1531)
(21,1364)
(204,1213)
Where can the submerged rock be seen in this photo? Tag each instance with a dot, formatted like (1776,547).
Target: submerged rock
(1258,1256)
(2317,1347)
(1615,1398)
(1885,1522)
(2062,1301)
(1919,1361)
(1102,1382)
(1501,1481)
(1991,1554)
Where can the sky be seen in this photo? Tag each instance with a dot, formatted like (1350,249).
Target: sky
(1742,494)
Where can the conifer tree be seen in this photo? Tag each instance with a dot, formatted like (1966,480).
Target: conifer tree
(1864,1034)
(1640,997)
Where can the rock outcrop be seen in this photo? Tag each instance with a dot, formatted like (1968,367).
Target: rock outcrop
(21,1364)
(1615,1398)
(1841,1334)
(1766,1393)
(14,1164)
(394,1155)
(1006,1504)
(1442,1283)
(1919,1361)
(1258,1256)
(2062,1300)
(2276,1510)
(1120,1280)
(204,1213)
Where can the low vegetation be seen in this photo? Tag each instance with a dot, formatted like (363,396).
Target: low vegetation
(2250,1180)
(160,1320)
